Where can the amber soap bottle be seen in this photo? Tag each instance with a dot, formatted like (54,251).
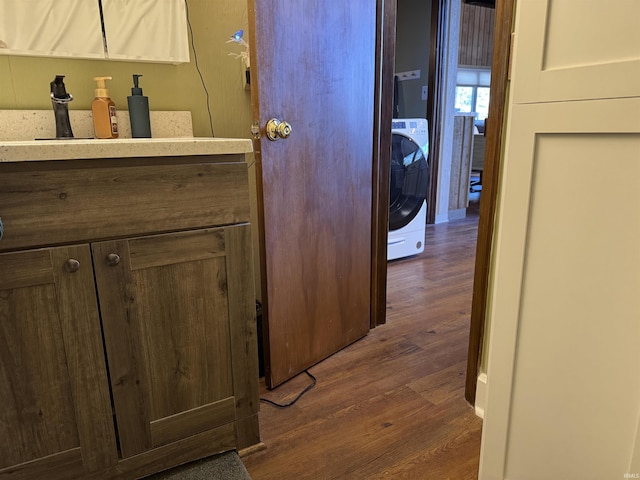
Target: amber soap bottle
(105,122)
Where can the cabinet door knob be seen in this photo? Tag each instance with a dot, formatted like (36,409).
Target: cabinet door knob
(72,265)
(113,259)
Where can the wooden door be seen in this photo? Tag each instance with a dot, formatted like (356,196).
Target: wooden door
(55,419)
(563,390)
(173,310)
(313,66)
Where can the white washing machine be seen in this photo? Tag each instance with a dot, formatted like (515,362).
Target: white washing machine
(408,188)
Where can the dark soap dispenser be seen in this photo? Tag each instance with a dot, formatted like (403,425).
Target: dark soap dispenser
(139,111)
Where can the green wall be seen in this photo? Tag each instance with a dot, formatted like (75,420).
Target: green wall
(412,53)
(24,81)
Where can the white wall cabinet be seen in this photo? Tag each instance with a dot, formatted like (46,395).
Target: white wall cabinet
(62,28)
(144,30)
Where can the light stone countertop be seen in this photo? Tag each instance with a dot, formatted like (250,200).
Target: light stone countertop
(42,150)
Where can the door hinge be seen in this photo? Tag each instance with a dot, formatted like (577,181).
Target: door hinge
(255,130)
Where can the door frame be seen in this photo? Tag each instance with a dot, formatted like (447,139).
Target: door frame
(383,111)
(385,58)
(436,86)
(500,65)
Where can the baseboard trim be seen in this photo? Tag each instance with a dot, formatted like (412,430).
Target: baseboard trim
(481,395)
(442,218)
(458,214)
(252,449)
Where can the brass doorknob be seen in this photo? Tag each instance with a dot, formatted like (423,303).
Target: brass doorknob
(277,129)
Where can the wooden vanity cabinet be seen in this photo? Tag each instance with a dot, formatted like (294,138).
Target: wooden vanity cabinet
(133,348)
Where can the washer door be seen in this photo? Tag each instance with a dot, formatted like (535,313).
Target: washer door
(409,180)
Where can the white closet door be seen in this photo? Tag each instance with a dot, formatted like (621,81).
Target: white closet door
(63,28)
(563,397)
(563,379)
(146,30)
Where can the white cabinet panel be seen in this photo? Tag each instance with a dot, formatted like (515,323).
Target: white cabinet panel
(563,387)
(65,28)
(148,30)
(567,50)
(577,394)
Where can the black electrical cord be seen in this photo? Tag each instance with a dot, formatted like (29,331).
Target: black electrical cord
(285,405)
(195,58)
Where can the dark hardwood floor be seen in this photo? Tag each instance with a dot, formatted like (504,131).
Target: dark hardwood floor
(392,404)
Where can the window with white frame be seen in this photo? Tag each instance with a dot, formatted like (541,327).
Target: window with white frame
(472,91)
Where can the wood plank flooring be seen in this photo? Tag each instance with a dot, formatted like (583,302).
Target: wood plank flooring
(392,404)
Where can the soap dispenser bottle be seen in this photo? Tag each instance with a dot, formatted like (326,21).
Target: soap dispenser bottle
(105,122)
(139,111)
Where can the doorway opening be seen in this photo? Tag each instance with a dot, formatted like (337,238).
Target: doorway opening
(439,20)
(440,52)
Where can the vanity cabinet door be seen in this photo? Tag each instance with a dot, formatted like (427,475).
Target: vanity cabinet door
(55,416)
(164,301)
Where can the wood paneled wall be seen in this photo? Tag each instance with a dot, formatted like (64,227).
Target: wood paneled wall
(461,162)
(476,35)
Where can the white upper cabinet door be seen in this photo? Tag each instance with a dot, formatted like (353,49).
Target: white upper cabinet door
(62,28)
(146,30)
(587,49)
